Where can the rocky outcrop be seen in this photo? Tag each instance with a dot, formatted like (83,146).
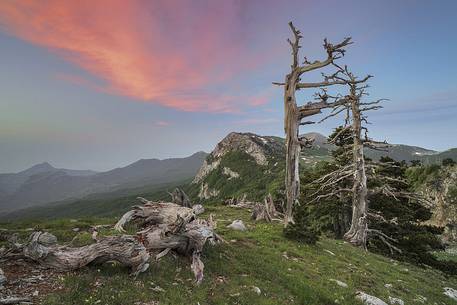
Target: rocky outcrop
(205,170)
(259,148)
(206,192)
(231,174)
(441,191)
(256,146)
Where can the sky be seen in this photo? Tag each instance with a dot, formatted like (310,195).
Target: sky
(100,84)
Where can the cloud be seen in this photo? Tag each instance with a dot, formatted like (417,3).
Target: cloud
(264,97)
(161,123)
(78,80)
(163,52)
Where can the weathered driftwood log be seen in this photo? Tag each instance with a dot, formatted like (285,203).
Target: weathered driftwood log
(168,226)
(185,239)
(178,196)
(165,227)
(125,249)
(240,202)
(156,213)
(265,211)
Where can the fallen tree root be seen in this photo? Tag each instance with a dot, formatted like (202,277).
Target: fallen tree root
(164,227)
(124,249)
(157,213)
(169,226)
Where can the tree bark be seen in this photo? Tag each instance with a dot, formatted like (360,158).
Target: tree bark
(357,233)
(165,227)
(293,148)
(125,249)
(168,226)
(178,196)
(266,211)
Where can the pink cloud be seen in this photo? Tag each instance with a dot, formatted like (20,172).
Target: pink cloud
(159,52)
(263,98)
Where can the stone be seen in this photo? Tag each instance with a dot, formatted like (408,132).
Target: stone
(237,225)
(339,283)
(396,301)
(450,292)
(256,290)
(230,173)
(369,299)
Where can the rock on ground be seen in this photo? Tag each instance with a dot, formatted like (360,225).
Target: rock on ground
(237,225)
(339,283)
(450,292)
(369,299)
(396,301)
(256,290)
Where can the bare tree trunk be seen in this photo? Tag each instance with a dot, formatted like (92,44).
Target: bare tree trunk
(293,148)
(357,234)
(293,114)
(178,196)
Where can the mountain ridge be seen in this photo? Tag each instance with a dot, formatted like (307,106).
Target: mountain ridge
(224,172)
(43,183)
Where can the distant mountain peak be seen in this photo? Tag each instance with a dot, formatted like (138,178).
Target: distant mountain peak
(250,151)
(38,169)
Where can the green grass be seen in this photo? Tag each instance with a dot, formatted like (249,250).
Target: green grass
(286,272)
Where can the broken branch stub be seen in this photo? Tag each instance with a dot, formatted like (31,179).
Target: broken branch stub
(266,211)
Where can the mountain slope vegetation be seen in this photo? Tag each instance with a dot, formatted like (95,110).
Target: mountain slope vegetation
(285,271)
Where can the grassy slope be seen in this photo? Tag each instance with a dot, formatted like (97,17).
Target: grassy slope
(286,272)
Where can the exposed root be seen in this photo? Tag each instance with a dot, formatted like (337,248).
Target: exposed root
(124,249)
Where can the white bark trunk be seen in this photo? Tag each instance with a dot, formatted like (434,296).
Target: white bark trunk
(357,234)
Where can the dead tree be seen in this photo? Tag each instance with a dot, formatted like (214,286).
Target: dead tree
(125,249)
(170,227)
(294,115)
(164,227)
(355,108)
(357,234)
(266,211)
(178,196)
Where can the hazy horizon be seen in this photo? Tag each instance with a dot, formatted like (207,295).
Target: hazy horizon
(83,87)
